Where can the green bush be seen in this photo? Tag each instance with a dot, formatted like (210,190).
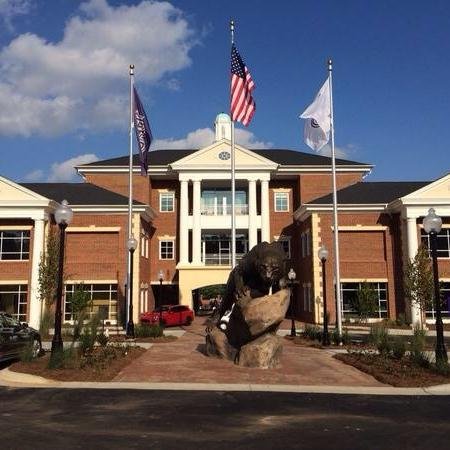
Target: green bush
(152,331)
(442,368)
(88,336)
(335,336)
(417,347)
(345,338)
(401,320)
(26,355)
(398,348)
(47,322)
(66,358)
(102,339)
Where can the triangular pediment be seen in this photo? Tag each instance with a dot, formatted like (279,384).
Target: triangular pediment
(11,192)
(217,156)
(438,190)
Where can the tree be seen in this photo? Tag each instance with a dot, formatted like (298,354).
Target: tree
(418,282)
(366,301)
(48,270)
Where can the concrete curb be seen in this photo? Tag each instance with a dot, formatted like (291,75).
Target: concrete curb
(12,379)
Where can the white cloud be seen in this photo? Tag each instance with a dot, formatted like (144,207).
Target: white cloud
(340,152)
(205,136)
(12,8)
(77,83)
(61,171)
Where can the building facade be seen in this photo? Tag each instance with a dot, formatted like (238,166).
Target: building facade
(182,222)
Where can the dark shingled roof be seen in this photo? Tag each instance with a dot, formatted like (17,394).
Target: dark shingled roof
(280,156)
(78,193)
(372,192)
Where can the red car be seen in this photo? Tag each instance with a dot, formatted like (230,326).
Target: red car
(169,315)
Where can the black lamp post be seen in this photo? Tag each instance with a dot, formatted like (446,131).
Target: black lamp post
(63,216)
(161,278)
(131,245)
(291,276)
(432,224)
(323,256)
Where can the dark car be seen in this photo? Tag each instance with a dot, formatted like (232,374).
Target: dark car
(169,315)
(15,337)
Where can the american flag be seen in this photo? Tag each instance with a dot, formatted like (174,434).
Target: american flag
(242,103)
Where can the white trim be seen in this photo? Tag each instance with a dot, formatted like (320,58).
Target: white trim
(167,193)
(16,227)
(364,280)
(92,229)
(361,227)
(13,282)
(282,194)
(91,282)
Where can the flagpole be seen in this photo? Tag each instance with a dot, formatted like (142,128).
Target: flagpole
(335,214)
(233,179)
(130,194)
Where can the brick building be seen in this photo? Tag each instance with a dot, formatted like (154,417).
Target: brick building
(182,220)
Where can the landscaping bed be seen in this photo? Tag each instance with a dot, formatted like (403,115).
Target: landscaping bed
(403,372)
(149,339)
(102,364)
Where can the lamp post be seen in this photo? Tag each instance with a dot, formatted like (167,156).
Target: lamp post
(291,276)
(131,245)
(161,278)
(323,256)
(432,224)
(63,216)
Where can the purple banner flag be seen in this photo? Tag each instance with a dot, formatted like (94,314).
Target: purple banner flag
(143,133)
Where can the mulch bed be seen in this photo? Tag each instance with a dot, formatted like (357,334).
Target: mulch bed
(154,340)
(398,373)
(100,372)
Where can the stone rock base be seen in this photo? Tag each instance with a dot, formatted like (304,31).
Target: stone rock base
(264,352)
(217,345)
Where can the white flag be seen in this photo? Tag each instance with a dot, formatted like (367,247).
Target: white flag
(318,116)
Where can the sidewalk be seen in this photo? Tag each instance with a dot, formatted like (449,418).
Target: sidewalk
(182,365)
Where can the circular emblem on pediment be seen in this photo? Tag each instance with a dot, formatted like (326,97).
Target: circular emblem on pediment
(224,156)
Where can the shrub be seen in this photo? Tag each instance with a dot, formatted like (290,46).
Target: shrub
(66,358)
(26,355)
(88,336)
(335,336)
(102,339)
(365,303)
(312,332)
(417,347)
(442,368)
(401,320)
(152,331)
(47,322)
(398,348)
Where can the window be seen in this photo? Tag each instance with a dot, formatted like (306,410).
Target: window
(14,245)
(13,300)
(443,242)
(445,305)
(285,242)
(305,239)
(281,201)
(166,201)
(166,250)
(349,292)
(144,245)
(103,299)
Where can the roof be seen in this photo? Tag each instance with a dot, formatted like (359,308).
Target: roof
(78,193)
(280,156)
(371,192)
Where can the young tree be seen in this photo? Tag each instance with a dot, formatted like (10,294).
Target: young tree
(366,301)
(48,270)
(418,282)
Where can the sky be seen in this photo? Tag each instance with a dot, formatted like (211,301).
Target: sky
(64,83)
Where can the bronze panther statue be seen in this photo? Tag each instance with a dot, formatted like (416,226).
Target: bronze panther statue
(261,269)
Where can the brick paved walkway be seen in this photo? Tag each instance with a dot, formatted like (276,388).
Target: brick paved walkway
(183,361)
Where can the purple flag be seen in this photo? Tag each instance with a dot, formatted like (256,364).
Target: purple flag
(143,133)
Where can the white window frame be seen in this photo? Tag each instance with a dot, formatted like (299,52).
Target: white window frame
(25,235)
(21,290)
(172,241)
(167,194)
(277,195)
(287,239)
(144,245)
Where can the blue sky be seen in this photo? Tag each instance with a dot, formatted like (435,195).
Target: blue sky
(64,78)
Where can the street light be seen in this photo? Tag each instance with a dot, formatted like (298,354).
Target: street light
(432,224)
(291,276)
(131,245)
(323,256)
(63,216)
(161,278)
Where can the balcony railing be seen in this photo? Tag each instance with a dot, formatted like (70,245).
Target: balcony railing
(220,259)
(223,210)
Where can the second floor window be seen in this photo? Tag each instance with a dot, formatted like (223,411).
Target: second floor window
(281,201)
(166,250)
(443,242)
(166,202)
(14,245)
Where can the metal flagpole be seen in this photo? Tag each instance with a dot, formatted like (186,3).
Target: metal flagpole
(335,214)
(233,180)
(130,192)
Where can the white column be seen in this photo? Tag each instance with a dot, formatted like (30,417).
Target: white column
(265,219)
(413,245)
(34,316)
(252,227)
(196,226)
(184,231)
